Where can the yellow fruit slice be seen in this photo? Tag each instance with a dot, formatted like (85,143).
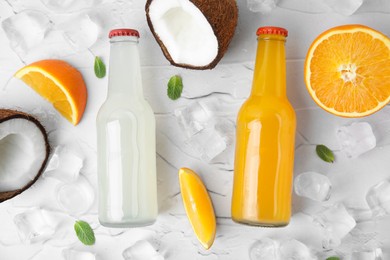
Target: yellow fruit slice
(198,206)
(59,83)
(347,70)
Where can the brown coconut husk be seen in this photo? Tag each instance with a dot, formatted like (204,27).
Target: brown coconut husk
(222,15)
(8,114)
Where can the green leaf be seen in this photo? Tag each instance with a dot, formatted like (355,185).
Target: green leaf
(175,87)
(100,68)
(325,153)
(84,232)
(333,258)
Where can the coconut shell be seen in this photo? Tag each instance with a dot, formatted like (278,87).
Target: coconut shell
(222,15)
(7,114)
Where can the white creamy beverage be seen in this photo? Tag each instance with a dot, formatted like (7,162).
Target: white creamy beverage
(126,141)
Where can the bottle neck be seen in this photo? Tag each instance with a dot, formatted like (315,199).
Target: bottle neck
(270,67)
(125,69)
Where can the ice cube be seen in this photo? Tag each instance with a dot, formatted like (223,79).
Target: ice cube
(378,198)
(264,249)
(67,6)
(34,225)
(313,185)
(26,30)
(208,143)
(360,214)
(295,250)
(374,254)
(71,254)
(75,198)
(262,6)
(81,32)
(336,223)
(306,6)
(141,250)
(64,165)
(356,139)
(344,7)
(193,118)
(227,129)
(290,249)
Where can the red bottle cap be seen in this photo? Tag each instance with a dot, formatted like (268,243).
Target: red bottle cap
(123,32)
(272,30)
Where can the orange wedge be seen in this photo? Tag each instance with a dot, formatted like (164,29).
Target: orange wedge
(198,206)
(60,84)
(347,70)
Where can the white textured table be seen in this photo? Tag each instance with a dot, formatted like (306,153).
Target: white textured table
(226,86)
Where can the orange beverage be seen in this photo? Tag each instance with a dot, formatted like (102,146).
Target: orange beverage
(266,123)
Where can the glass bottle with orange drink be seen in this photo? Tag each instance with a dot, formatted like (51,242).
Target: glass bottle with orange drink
(266,123)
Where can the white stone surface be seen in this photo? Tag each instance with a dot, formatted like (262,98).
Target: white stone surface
(228,85)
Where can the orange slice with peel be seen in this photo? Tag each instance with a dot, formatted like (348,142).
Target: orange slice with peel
(347,70)
(60,84)
(198,206)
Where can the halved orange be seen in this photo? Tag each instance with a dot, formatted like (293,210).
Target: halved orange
(347,70)
(198,206)
(59,83)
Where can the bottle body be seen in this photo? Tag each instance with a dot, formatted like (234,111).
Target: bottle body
(264,163)
(265,137)
(126,146)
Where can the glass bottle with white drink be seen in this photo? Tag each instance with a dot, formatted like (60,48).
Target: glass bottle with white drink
(126,141)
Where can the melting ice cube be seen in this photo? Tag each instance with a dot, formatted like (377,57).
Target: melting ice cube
(208,143)
(378,198)
(26,30)
(262,6)
(344,7)
(34,225)
(313,185)
(76,198)
(294,250)
(356,139)
(141,250)
(81,32)
(65,6)
(264,249)
(374,254)
(71,254)
(227,129)
(207,134)
(269,249)
(193,118)
(64,165)
(336,223)
(360,214)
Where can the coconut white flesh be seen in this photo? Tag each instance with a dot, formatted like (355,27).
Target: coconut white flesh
(22,153)
(184,31)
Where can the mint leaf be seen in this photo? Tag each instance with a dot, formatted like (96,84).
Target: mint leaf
(333,258)
(84,232)
(100,68)
(175,87)
(325,153)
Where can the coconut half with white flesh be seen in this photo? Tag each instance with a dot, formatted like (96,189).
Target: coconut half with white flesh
(193,34)
(24,150)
